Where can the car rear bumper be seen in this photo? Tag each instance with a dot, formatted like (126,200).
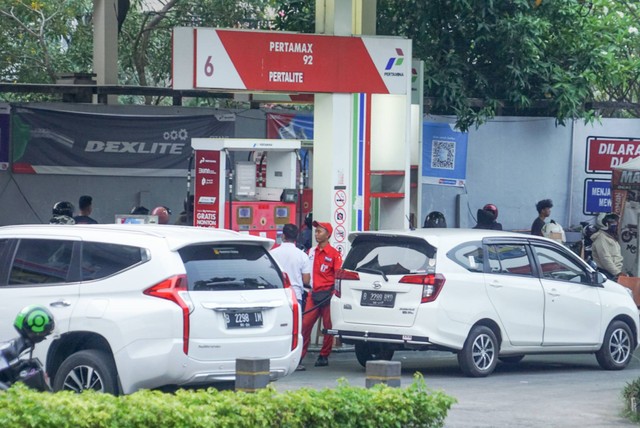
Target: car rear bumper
(152,364)
(365,336)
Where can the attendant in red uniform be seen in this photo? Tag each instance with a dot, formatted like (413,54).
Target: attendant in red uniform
(325,260)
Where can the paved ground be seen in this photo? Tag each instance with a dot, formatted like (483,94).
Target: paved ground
(543,391)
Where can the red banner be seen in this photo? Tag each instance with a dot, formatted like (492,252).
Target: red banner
(605,153)
(206,212)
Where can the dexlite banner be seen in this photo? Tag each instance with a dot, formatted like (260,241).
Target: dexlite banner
(49,141)
(289,62)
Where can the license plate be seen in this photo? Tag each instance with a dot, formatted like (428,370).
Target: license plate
(243,319)
(380,299)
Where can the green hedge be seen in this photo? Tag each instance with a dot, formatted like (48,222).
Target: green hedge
(631,396)
(344,406)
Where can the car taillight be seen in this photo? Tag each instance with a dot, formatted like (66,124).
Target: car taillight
(175,289)
(286,280)
(344,274)
(431,285)
(296,320)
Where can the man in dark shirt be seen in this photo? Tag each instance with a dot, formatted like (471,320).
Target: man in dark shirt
(544,210)
(85,206)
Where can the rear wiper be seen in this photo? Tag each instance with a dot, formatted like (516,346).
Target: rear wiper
(371,270)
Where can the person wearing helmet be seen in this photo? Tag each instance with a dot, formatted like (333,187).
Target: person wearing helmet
(544,210)
(435,219)
(487,217)
(163,214)
(139,210)
(62,213)
(34,323)
(606,249)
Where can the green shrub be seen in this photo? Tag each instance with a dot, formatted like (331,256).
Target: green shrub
(631,397)
(344,406)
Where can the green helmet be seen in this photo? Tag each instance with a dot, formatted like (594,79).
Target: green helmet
(34,322)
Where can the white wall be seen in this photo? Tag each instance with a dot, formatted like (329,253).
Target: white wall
(515,161)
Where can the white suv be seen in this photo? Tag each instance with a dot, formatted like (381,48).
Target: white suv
(145,306)
(482,294)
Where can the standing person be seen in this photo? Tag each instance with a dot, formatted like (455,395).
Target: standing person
(304,238)
(326,260)
(185,218)
(606,249)
(487,217)
(293,261)
(85,204)
(544,210)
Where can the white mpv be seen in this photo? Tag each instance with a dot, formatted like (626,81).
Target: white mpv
(482,294)
(147,306)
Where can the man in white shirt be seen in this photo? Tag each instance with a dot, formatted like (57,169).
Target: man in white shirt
(293,261)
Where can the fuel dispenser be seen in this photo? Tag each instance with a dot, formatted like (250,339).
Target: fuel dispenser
(226,190)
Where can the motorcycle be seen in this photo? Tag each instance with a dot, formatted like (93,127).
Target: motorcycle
(587,231)
(17,364)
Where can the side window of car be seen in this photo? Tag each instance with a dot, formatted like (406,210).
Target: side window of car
(558,266)
(41,261)
(100,260)
(509,259)
(468,255)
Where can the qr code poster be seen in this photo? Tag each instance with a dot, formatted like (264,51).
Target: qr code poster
(444,155)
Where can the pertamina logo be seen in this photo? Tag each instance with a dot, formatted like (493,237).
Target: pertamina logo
(392,69)
(205,160)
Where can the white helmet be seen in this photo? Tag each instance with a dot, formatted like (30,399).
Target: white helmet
(604,219)
(554,231)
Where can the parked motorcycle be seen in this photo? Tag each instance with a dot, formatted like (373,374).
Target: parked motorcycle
(17,364)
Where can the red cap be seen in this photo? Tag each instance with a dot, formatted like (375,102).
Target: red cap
(325,226)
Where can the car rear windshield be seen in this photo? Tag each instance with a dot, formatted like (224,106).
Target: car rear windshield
(390,255)
(229,267)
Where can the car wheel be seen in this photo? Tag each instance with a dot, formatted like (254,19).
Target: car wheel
(478,357)
(90,369)
(616,350)
(511,359)
(372,351)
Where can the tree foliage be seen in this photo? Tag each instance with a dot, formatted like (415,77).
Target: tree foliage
(482,58)
(40,39)
(538,57)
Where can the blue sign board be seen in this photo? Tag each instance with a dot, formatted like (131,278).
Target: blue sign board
(597,196)
(444,155)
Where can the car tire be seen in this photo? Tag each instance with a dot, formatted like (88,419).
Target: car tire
(511,359)
(370,351)
(89,369)
(617,347)
(479,355)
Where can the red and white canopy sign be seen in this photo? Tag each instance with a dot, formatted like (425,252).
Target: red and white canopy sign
(207,58)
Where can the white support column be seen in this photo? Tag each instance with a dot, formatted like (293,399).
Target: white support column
(105,43)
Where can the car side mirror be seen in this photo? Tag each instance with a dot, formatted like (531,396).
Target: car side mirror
(598,278)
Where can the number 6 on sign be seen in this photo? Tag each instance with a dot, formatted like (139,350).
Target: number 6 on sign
(208,67)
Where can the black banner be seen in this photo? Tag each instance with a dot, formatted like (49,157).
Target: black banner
(50,141)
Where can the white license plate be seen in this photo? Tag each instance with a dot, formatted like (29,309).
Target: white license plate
(381,299)
(243,319)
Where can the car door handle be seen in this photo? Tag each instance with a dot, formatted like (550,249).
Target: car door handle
(496,284)
(60,304)
(554,293)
